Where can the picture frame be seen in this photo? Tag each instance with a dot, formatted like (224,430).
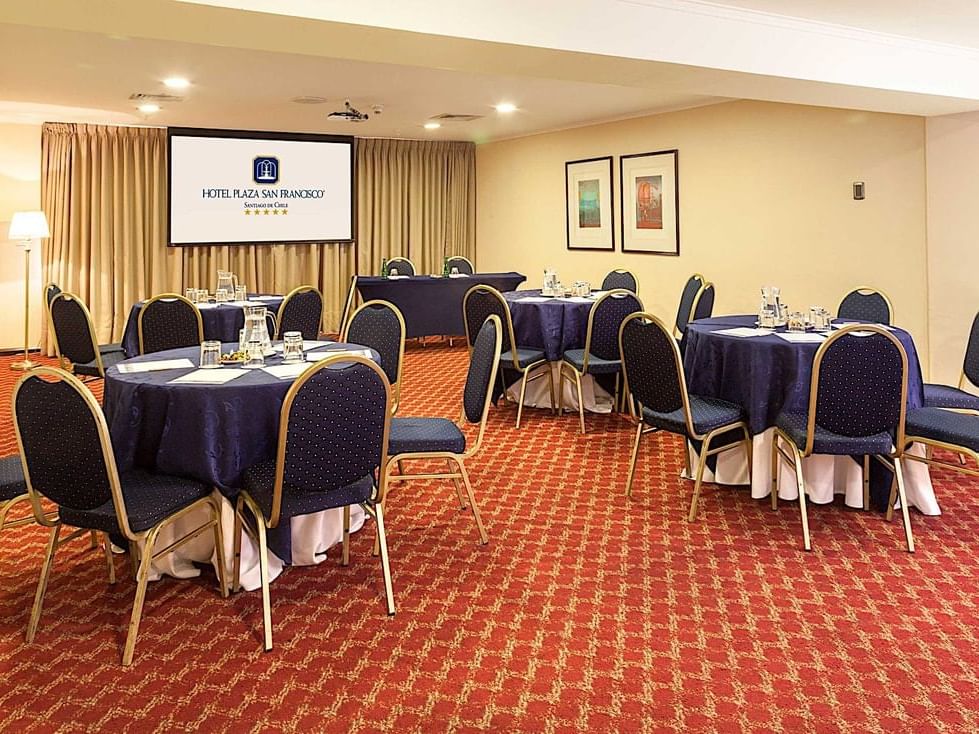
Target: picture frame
(589,218)
(649,206)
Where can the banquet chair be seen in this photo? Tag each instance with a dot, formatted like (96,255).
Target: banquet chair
(703,302)
(857,404)
(654,376)
(940,428)
(302,311)
(688,297)
(866,304)
(168,321)
(483,301)
(13,492)
(601,355)
(333,435)
(403,265)
(50,291)
(380,326)
(432,439)
(75,345)
(955,398)
(620,279)
(348,304)
(462,264)
(68,460)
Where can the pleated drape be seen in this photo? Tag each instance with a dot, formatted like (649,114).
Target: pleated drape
(104,191)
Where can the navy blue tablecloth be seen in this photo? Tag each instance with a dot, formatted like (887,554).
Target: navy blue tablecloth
(211,433)
(221,321)
(432,306)
(554,325)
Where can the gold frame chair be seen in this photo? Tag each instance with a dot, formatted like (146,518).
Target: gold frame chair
(44,293)
(677,333)
(148,538)
(866,290)
(796,456)
(167,297)
(64,363)
(627,272)
(472,267)
(705,286)
(277,317)
(587,349)
(348,305)
(262,524)
(395,399)
(452,458)
(400,258)
(515,362)
(705,438)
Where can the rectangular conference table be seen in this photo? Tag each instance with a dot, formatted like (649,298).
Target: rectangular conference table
(432,306)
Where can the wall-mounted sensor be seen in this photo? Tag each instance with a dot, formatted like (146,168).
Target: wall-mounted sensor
(859,192)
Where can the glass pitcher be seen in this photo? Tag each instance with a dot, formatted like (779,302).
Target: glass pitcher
(227,281)
(256,328)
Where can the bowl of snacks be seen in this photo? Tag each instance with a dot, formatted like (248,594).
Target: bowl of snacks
(237,357)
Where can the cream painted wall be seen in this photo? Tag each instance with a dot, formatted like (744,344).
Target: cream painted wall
(765,197)
(20,189)
(953,238)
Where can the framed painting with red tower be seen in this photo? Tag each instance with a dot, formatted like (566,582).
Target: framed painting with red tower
(650,211)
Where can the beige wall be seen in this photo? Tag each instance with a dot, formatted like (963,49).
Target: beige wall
(20,189)
(765,197)
(953,238)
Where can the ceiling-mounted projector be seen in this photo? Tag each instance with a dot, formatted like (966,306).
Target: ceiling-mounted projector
(349,113)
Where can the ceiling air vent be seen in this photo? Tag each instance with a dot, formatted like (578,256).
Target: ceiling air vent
(144,97)
(310,100)
(451,117)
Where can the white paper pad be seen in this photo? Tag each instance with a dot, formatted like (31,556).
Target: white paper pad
(317,356)
(458,275)
(287,371)
(577,299)
(266,298)
(398,277)
(217,376)
(744,331)
(598,294)
(307,345)
(801,337)
(160,364)
(207,305)
(533,299)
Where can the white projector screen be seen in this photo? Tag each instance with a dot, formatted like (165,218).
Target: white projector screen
(233,187)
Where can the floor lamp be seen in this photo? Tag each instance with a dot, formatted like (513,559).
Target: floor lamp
(27,227)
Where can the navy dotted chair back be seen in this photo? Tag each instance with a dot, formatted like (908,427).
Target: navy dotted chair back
(865,306)
(403,265)
(970,365)
(335,428)
(302,311)
(687,296)
(482,361)
(462,264)
(605,320)
(860,384)
(168,323)
(72,329)
(705,304)
(481,302)
(61,444)
(50,292)
(620,279)
(650,363)
(380,327)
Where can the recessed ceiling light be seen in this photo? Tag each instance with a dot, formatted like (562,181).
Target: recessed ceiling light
(176,82)
(432,126)
(149,108)
(506,107)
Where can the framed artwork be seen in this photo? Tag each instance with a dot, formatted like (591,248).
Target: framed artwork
(648,185)
(588,202)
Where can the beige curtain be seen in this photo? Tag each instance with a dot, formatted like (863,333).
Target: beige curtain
(104,191)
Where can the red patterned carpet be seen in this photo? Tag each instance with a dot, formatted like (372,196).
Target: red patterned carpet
(586,612)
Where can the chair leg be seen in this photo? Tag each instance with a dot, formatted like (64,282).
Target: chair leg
(581,401)
(93,540)
(42,582)
(866,482)
(133,558)
(142,579)
(483,538)
(263,552)
(550,387)
(560,389)
(382,544)
(222,563)
(460,491)
(775,468)
(801,481)
(687,468)
(749,451)
(615,395)
(632,461)
(110,566)
(345,553)
(698,482)
(899,474)
(523,392)
(236,543)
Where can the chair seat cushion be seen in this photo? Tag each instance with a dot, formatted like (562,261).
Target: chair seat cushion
(707,414)
(596,365)
(12,483)
(946,396)
(960,429)
(827,442)
(425,435)
(525,357)
(110,349)
(150,499)
(91,369)
(259,482)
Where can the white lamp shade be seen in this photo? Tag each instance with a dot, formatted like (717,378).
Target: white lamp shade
(29,226)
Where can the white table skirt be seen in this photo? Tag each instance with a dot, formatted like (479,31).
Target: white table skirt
(825,476)
(538,394)
(312,535)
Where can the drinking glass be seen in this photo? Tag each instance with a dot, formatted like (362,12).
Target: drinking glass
(203,295)
(797,322)
(766,319)
(221,295)
(191,294)
(292,346)
(241,293)
(455,271)
(210,355)
(392,271)
(254,354)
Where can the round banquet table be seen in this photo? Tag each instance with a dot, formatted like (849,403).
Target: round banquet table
(213,433)
(222,321)
(555,325)
(767,374)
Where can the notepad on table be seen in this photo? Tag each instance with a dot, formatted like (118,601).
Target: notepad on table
(287,371)
(154,366)
(801,337)
(577,299)
(209,377)
(207,305)
(533,299)
(744,332)
(307,345)
(318,356)
(398,277)
(458,275)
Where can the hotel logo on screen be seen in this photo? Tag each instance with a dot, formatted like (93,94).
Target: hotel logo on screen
(265,170)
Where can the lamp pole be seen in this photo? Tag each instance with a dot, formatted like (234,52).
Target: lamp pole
(27,227)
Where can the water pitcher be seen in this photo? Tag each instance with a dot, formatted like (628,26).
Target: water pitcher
(227,281)
(256,328)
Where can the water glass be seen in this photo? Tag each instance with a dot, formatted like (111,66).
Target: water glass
(797,322)
(455,271)
(392,271)
(254,354)
(292,346)
(191,294)
(203,295)
(210,355)
(221,295)
(766,319)
(241,293)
